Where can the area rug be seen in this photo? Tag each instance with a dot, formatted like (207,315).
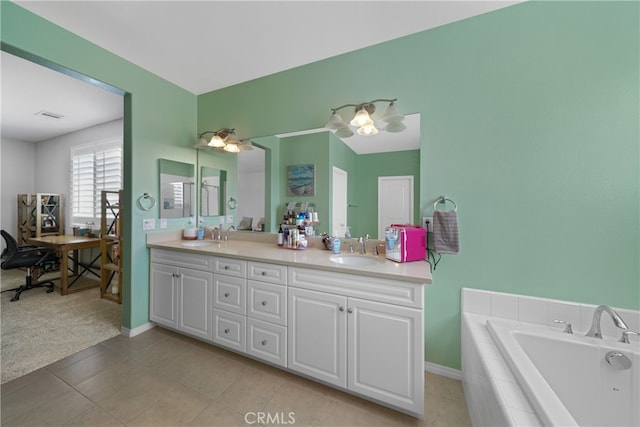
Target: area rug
(41,328)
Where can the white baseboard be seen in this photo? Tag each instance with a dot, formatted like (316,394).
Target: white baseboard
(137,330)
(444,371)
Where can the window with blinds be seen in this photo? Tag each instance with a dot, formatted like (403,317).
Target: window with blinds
(94,168)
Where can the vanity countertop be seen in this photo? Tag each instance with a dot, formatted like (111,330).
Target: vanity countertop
(416,271)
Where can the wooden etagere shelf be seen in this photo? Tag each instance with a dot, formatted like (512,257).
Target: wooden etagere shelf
(111,246)
(39,215)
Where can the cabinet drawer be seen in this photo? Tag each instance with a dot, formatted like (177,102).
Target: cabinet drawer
(267,302)
(229,330)
(230,267)
(230,293)
(267,341)
(366,287)
(182,259)
(271,273)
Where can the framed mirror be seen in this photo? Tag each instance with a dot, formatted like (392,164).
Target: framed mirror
(213,184)
(361,161)
(177,189)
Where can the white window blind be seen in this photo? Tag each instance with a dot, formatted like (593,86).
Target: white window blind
(94,168)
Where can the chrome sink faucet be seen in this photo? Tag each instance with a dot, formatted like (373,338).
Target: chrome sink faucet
(595,324)
(362,241)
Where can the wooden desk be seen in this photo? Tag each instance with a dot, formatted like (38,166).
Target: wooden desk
(62,245)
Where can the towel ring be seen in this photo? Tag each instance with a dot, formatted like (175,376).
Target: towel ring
(146,202)
(444,200)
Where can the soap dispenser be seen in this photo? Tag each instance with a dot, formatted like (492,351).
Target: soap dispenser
(335,248)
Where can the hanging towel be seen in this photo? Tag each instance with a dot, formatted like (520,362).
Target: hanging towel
(446,239)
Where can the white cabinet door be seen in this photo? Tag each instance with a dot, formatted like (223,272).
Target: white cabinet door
(317,335)
(267,341)
(194,296)
(229,330)
(230,294)
(163,294)
(267,302)
(385,354)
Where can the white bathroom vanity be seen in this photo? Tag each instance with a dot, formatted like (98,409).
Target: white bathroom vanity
(358,327)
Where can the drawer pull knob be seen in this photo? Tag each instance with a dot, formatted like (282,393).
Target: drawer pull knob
(350,310)
(226,294)
(264,303)
(264,342)
(264,273)
(226,331)
(226,267)
(341,309)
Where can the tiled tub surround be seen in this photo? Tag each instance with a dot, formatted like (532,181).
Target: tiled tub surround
(493,394)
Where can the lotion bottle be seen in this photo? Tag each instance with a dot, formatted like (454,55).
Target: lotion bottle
(335,248)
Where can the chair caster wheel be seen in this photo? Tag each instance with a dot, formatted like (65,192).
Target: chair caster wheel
(49,290)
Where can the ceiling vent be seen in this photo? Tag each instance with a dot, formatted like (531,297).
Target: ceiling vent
(49,114)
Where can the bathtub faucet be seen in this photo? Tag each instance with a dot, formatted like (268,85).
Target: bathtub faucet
(595,324)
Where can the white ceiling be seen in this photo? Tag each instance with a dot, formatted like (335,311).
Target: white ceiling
(28,88)
(186,41)
(207,45)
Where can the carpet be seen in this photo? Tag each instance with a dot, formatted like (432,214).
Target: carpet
(42,327)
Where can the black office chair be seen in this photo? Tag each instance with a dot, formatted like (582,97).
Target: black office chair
(15,256)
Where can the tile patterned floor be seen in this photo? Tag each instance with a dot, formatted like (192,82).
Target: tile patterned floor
(160,378)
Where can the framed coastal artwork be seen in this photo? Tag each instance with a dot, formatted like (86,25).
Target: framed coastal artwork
(301,180)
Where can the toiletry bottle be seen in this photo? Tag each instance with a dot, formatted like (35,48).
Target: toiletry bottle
(200,229)
(336,243)
(280,236)
(347,234)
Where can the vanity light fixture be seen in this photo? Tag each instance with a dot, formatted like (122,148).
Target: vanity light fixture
(225,139)
(363,120)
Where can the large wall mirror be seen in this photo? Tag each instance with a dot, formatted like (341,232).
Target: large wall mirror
(361,161)
(177,189)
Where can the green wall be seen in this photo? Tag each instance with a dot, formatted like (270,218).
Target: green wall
(160,122)
(529,119)
(302,150)
(372,166)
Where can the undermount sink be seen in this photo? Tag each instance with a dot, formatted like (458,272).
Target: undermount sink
(197,243)
(357,260)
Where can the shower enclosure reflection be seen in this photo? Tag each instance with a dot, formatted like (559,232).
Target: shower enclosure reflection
(177,192)
(212,191)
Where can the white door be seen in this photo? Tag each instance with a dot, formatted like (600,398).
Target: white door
(163,295)
(386,353)
(194,295)
(317,340)
(339,202)
(395,201)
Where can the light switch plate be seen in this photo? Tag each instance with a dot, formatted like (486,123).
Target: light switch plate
(149,224)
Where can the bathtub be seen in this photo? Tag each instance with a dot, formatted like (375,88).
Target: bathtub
(566,378)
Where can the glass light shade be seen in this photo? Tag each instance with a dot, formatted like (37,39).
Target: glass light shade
(392,114)
(395,127)
(216,142)
(362,119)
(231,147)
(368,130)
(335,122)
(344,132)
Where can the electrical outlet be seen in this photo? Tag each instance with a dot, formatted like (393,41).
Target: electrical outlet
(163,223)
(229,219)
(427,223)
